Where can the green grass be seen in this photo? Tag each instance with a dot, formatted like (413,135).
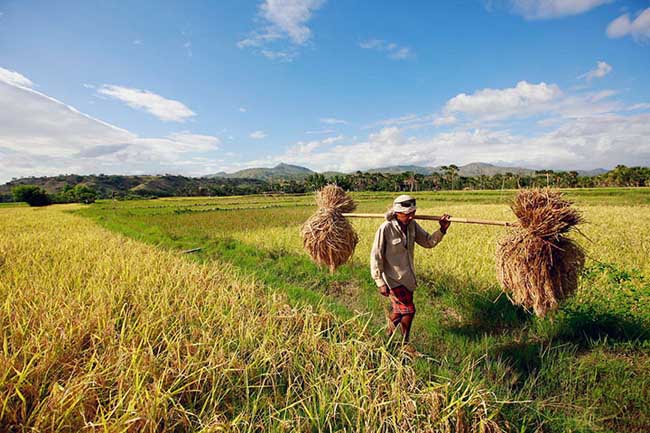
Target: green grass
(587,368)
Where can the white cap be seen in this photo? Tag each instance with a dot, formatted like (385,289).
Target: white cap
(398,205)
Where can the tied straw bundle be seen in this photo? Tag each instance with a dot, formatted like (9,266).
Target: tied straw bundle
(327,236)
(537,264)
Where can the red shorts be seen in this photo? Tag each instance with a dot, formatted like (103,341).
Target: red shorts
(401,300)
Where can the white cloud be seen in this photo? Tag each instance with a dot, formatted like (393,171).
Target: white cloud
(308,147)
(257,135)
(580,143)
(242,109)
(524,99)
(521,102)
(137,42)
(639,28)
(163,108)
(333,121)
(320,131)
(548,9)
(602,69)
(372,44)
(641,106)
(43,136)
(188,142)
(42,125)
(279,55)
(392,50)
(444,120)
(408,120)
(14,78)
(291,16)
(400,53)
(331,140)
(282,20)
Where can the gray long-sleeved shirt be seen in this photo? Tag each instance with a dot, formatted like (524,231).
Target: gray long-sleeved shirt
(391,258)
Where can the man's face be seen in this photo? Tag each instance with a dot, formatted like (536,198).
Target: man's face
(405,218)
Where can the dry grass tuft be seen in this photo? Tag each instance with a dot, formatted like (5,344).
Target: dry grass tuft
(536,264)
(327,236)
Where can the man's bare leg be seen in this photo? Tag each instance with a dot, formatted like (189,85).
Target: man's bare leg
(394,319)
(405,323)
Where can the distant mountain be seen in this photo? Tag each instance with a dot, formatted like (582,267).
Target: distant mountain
(280,171)
(592,173)
(483,169)
(396,169)
(331,174)
(294,172)
(468,170)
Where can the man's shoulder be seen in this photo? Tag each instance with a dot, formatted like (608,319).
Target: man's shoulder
(385,225)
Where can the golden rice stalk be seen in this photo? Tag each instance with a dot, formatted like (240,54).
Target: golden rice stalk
(545,213)
(327,236)
(536,264)
(335,198)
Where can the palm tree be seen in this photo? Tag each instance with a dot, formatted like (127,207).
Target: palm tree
(411,181)
(451,172)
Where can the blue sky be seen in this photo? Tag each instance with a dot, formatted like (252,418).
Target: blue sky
(199,87)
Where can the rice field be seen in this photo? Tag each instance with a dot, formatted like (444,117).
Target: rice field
(124,332)
(104,333)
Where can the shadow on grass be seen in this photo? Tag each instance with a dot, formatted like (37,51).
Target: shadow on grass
(524,358)
(488,311)
(588,324)
(483,311)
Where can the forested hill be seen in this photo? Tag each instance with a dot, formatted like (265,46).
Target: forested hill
(108,186)
(117,186)
(279,172)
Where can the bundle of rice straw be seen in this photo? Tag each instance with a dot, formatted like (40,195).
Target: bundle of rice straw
(327,236)
(537,265)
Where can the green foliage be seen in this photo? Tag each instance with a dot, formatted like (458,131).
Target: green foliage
(78,194)
(31,194)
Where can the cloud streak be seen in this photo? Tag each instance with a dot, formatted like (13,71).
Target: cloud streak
(550,9)
(602,69)
(168,110)
(392,50)
(333,121)
(14,78)
(257,135)
(638,28)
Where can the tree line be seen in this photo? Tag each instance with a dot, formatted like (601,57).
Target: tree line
(118,187)
(449,179)
(34,195)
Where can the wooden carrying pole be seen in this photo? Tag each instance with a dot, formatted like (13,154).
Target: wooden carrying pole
(435,218)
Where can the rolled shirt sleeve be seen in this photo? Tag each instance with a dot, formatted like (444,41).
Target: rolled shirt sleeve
(425,239)
(377,257)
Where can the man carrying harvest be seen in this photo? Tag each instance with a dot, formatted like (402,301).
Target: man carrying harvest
(391,259)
